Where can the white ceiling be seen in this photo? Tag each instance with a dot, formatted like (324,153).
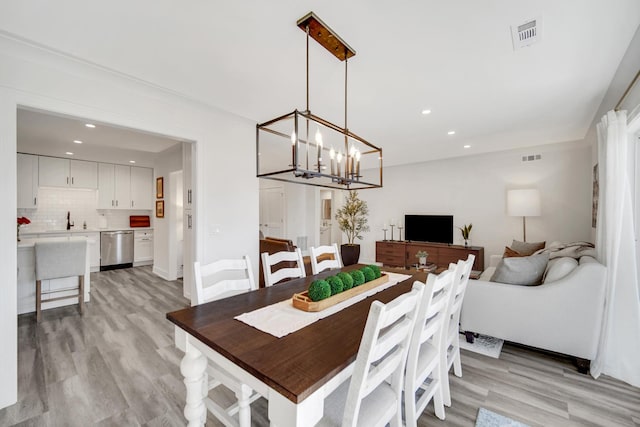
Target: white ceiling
(54,135)
(453,57)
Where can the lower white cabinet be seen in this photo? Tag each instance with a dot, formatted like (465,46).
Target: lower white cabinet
(143,247)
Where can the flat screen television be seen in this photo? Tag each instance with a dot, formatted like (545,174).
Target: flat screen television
(429,228)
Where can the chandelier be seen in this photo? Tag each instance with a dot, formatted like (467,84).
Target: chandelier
(303,148)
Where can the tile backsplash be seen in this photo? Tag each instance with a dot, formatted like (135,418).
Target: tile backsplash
(54,203)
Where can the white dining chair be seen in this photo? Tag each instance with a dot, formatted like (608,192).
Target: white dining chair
(222,279)
(427,344)
(373,396)
(287,272)
(461,271)
(325,263)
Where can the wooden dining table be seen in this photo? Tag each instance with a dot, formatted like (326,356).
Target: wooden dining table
(296,372)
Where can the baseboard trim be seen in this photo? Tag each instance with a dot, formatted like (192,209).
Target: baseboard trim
(161,273)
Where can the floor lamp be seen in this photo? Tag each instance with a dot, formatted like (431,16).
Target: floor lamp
(524,203)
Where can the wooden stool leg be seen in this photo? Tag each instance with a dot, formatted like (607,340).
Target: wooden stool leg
(81,296)
(38,300)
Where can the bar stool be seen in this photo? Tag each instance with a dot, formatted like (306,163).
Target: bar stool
(55,260)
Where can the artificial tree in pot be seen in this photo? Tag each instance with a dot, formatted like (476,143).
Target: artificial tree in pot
(352,220)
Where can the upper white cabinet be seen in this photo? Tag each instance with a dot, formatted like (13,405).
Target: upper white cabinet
(57,172)
(124,187)
(114,186)
(83,174)
(141,188)
(27,181)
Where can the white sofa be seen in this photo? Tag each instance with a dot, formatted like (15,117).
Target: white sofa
(563,315)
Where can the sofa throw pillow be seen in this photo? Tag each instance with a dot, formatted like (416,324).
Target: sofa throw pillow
(526,248)
(509,253)
(558,268)
(525,271)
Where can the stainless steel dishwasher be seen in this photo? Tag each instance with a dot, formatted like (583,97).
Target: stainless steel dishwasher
(116,249)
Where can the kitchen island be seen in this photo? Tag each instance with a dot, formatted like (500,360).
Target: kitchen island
(27,277)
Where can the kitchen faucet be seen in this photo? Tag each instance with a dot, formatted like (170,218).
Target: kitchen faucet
(69,223)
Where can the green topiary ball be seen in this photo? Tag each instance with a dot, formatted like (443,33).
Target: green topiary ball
(376,270)
(369,275)
(358,277)
(319,290)
(347,280)
(336,284)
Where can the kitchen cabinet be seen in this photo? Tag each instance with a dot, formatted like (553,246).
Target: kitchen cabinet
(141,188)
(27,166)
(142,247)
(124,187)
(189,220)
(58,172)
(114,182)
(106,186)
(187,176)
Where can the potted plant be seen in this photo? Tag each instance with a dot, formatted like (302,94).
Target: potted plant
(466,230)
(422,257)
(352,220)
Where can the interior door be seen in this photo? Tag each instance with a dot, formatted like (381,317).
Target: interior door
(272,212)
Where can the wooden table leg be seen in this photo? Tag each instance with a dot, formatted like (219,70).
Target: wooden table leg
(193,368)
(285,413)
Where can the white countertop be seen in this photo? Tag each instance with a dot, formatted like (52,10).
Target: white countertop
(31,232)
(30,243)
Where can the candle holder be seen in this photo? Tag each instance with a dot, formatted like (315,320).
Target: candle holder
(400,232)
(392,232)
(385,234)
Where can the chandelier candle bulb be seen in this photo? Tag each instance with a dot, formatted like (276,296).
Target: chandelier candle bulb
(357,164)
(332,156)
(293,148)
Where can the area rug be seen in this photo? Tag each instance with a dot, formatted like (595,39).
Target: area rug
(483,344)
(486,418)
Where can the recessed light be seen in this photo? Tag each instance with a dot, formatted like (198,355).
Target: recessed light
(77,141)
(425,112)
(451,132)
(132,161)
(69,153)
(90,125)
(467,146)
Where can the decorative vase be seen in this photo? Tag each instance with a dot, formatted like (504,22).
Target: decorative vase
(467,243)
(350,254)
(423,260)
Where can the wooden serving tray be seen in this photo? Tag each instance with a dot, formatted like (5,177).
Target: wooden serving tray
(302,301)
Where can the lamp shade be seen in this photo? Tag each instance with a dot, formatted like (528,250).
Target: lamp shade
(523,202)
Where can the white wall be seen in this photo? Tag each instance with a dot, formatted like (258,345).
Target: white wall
(167,161)
(473,189)
(36,78)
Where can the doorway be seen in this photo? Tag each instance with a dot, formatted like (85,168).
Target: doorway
(326,217)
(272,208)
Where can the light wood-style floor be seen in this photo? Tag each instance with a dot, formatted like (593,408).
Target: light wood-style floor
(117,366)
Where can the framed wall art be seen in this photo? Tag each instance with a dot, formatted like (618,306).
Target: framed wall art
(159,188)
(159,208)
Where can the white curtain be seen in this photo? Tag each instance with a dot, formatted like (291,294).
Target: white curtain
(619,347)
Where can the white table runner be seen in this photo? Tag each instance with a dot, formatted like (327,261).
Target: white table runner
(283,318)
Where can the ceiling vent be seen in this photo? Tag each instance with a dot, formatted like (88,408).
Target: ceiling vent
(526,34)
(531,157)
